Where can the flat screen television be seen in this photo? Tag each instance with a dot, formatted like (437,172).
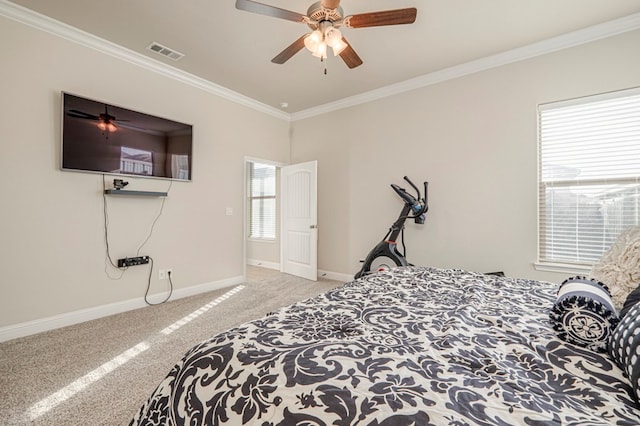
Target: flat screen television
(103,138)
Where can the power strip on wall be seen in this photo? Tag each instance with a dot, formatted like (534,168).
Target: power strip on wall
(125,262)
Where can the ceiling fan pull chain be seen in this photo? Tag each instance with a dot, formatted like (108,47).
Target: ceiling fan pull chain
(323,60)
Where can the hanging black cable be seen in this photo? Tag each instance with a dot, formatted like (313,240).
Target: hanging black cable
(106,237)
(124,269)
(146,293)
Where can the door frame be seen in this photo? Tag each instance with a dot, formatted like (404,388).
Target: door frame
(245,208)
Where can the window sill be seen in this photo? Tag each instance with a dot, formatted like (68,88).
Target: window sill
(562,267)
(262,240)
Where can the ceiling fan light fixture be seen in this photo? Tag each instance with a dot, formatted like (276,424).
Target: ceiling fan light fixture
(321,51)
(106,126)
(339,47)
(333,36)
(312,41)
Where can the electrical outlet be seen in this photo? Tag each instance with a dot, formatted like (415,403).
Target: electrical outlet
(162,274)
(169,273)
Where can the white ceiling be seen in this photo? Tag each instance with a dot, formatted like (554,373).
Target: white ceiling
(233,48)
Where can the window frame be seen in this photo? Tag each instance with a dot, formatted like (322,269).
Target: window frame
(576,265)
(251,198)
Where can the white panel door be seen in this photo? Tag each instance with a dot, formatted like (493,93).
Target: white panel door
(299,240)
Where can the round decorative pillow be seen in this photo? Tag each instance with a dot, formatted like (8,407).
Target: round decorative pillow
(624,347)
(632,299)
(583,313)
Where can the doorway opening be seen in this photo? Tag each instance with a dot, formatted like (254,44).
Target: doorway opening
(280,213)
(262,219)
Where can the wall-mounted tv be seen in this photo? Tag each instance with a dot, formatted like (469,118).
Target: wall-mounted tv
(103,138)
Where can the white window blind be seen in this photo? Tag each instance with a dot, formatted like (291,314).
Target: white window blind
(589,175)
(262,201)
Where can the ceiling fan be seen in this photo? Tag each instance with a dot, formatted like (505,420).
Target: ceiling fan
(106,121)
(324,18)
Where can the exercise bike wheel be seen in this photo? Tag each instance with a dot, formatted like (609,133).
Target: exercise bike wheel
(383,264)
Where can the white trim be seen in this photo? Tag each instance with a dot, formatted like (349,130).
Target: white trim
(336,276)
(264,264)
(562,268)
(70,318)
(263,239)
(575,38)
(60,29)
(616,94)
(276,164)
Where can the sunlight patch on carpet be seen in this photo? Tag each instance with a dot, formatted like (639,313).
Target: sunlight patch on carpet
(45,405)
(195,314)
(50,402)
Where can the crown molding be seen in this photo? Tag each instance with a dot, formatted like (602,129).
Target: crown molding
(60,29)
(565,41)
(575,38)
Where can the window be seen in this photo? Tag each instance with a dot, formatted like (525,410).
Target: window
(136,161)
(180,166)
(589,175)
(262,201)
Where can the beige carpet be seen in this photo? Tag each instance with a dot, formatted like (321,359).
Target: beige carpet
(100,372)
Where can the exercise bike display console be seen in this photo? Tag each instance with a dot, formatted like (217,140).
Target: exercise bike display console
(385,254)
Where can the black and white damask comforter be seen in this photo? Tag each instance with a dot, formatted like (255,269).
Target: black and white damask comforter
(415,346)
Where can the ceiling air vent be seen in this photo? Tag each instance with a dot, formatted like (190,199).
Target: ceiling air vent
(165,51)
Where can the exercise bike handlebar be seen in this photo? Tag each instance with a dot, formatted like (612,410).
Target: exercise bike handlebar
(412,184)
(425,199)
(408,198)
(416,202)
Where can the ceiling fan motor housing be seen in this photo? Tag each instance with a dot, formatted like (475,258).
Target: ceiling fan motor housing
(318,13)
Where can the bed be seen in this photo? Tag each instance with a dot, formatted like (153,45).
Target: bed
(412,346)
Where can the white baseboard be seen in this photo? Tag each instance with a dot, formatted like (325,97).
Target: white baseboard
(263,264)
(337,276)
(70,318)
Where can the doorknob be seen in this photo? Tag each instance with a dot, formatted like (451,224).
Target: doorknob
(313,226)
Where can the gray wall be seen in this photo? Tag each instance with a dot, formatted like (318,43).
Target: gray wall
(474,139)
(52,254)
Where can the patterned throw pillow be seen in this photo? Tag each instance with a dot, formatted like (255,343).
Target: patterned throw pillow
(624,347)
(583,313)
(632,299)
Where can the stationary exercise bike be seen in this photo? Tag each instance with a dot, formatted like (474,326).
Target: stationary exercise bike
(385,255)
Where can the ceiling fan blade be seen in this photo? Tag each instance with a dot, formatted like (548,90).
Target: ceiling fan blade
(385,17)
(287,53)
(120,123)
(80,114)
(265,9)
(330,4)
(349,56)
